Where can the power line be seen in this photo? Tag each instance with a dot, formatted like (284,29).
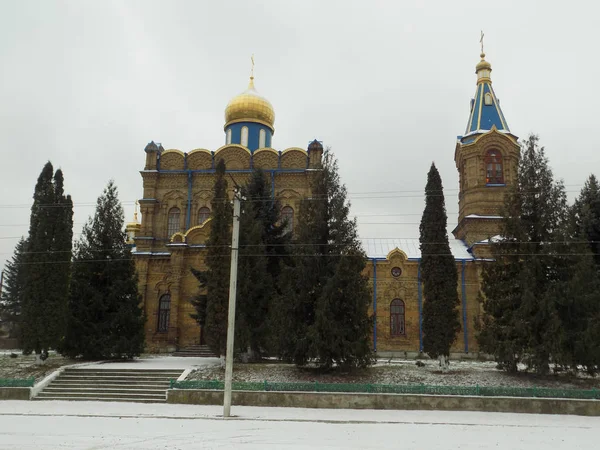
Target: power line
(368,195)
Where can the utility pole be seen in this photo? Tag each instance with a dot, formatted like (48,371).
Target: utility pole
(232,294)
(1,282)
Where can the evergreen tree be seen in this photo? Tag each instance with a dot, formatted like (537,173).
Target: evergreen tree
(521,322)
(585,215)
(576,293)
(263,247)
(323,309)
(44,301)
(438,272)
(211,310)
(105,317)
(12,289)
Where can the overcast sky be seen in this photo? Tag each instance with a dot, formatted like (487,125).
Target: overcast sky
(385,84)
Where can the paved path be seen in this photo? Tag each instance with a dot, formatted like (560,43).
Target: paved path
(88,425)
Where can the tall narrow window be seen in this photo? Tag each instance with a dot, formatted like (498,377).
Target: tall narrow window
(397,318)
(164,311)
(494,173)
(244,136)
(228,139)
(203,215)
(487,99)
(287,217)
(262,139)
(173,225)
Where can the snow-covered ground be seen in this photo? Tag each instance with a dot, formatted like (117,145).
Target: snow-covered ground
(157,362)
(95,425)
(461,373)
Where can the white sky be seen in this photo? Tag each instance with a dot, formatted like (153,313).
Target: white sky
(386,85)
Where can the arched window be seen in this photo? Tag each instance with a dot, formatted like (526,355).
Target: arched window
(397,318)
(493,167)
(487,99)
(287,217)
(164,311)
(244,141)
(228,139)
(262,139)
(203,215)
(173,225)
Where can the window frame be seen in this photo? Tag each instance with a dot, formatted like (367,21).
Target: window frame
(203,210)
(494,167)
(244,136)
(172,223)
(164,313)
(397,318)
(262,138)
(288,212)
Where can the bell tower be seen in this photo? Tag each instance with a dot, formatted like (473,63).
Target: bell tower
(487,157)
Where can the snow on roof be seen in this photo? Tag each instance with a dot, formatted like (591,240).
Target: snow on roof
(496,238)
(477,216)
(381,247)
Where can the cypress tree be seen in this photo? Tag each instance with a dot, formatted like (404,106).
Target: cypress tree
(44,307)
(105,318)
(12,289)
(438,272)
(521,322)
(211,310)
(324,306)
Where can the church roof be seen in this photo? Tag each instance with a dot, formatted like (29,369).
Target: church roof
(485,113)
(380,248)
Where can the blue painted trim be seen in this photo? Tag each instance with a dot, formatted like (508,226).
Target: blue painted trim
(374,305)
(188,215)
(272,184)
(495,184)
(464,307)
(420,298)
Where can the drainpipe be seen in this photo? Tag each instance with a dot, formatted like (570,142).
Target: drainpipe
(420,297)
(464,306)
(374,305)
(189,205)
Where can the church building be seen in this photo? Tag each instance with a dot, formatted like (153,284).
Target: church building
(177,189)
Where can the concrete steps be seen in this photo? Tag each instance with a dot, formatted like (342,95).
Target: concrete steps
(197,351)
(114,385)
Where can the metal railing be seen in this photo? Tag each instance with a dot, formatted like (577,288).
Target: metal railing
(421,389)
(17,382)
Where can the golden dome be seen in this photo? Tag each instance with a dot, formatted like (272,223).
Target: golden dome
(483,64)
(249,106)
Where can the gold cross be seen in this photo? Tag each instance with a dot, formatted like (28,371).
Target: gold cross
(481,40)
(252,70)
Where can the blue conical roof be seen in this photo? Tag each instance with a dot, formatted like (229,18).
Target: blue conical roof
(485,108)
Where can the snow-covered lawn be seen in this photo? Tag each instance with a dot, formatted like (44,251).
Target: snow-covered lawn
(96,425)
(25,366)
(461,373)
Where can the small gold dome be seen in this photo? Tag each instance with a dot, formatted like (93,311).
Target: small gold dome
(249,106)
(483,64)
